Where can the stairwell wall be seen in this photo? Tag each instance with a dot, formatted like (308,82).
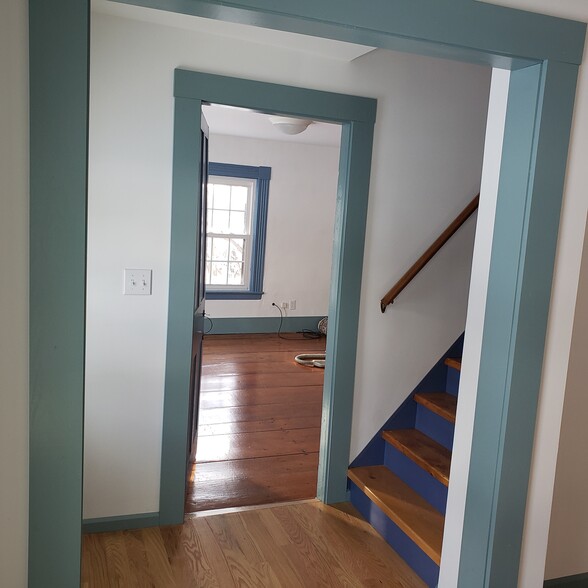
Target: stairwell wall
(427,158)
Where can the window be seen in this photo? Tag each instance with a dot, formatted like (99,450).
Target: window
(235,232)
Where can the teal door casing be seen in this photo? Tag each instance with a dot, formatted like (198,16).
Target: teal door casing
(544,54)
(357,115)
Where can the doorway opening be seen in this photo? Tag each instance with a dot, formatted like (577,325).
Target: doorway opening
(259,416)
(356,116)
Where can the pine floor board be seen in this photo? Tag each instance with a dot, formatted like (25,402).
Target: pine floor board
(248,482)
(257,444)
(259,422)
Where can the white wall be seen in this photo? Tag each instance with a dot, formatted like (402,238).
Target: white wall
(427,162)
(301,213)
(14,200)
(468,385)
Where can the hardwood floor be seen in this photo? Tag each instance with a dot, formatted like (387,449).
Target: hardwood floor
(300,545)
(259,422)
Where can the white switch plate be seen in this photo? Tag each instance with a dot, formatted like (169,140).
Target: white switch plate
(137,282)
(292,304)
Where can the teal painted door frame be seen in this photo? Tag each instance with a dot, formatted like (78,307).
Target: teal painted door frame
(519,282)
(357,115)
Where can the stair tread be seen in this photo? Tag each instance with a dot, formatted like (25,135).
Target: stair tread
(407,509)
(424,451)
(441,403)
(454,362)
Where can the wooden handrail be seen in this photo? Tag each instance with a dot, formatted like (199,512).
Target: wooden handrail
(422,261)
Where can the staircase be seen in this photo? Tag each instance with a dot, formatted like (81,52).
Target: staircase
(399,483)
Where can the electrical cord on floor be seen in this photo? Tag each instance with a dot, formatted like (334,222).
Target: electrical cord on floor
(211,324)
(306,333)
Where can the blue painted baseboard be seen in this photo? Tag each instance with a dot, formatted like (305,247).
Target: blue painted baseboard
(577,581)
(121,523)
(264,324)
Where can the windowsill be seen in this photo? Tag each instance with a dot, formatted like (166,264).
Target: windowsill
(232,295)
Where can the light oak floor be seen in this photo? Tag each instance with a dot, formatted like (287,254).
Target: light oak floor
(259,422)
(299,545)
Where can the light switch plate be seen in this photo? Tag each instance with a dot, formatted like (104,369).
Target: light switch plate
(137,282)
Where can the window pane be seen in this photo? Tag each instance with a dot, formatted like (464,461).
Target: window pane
(218,273)
(208,247)
(222,196)
(220,249)
(210,196)
(237,223)
(207,272)
(235,274)
(220,221)
(239,198)
(237,250)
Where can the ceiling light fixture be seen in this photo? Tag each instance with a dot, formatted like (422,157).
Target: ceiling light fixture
(290,126)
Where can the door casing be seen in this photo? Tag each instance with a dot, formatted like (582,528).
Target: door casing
(357,116)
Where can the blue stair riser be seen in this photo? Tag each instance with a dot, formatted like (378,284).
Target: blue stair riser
(414,556)
(452,384)
(434,426)
(418,479)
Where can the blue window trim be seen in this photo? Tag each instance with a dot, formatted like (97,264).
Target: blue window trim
(262,175)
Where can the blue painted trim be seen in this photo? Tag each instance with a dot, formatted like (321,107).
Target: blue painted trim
(234,170)
(463,30)
(58,61)
(265,324)
(576,581)
(183,260)
(276,98)
(120,523)
(346,271)
(536,139)
(260,230)
(233,295)
(262,175)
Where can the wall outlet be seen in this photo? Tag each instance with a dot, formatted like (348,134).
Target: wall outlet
(137,282)
(292,304)
(284,305)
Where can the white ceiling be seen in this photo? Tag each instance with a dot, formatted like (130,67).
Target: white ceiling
(327,48)
(223,120)
(573,9)
(238,122)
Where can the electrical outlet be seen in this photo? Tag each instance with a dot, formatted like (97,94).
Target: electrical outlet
(292,304)
(284,305)
(137,282)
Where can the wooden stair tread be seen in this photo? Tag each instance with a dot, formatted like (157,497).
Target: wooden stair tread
(441,403)
(424,451)
(407,509)
(454,363)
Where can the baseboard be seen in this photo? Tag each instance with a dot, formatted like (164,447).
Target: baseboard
(263,324)
(576,581)
(120,523)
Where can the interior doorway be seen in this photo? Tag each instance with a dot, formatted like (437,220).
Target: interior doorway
(271,199)
(357,116)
